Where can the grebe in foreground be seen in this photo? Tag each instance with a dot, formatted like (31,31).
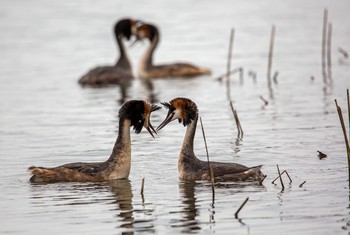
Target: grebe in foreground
(134,113)
(148,70)
(119,73)
(189,166)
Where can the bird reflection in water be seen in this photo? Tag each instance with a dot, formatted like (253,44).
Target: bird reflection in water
(123,199)
(189,210)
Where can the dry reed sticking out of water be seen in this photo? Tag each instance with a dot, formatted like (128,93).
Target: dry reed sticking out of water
(324,43)
(290,179)
(264,100)
(343,52)
(329,52)
(238,123)
(279,174)
(261,181)
(233,71)
(240,208)
(269,64)
(142,185)
(342,123)
(211,172)
(321,155)
(229,58)
(302,184)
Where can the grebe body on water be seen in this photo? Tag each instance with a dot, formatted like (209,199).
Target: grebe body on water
(134,113)
(148,70)
(189,166)
(121,72)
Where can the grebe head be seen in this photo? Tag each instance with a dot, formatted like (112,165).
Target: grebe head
(126,28)
(146,31)
(183,109)
(139,113)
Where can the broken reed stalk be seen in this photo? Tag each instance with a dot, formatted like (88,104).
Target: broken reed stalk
(211,173)
(260,182)
(344,133)
(269,65)
(233,71)
(142,185)
(264,100)
(348,98)
(290,180)
(324,35)
(301,185)
(229,58)
(329,53)
(238,123)
(240,208)
(279,173)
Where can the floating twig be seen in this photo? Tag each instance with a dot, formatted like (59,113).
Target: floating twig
(240,208)
(321,155)
(211,173)
(279,173)
(269,65)
(260,182)
(324,35)
(229,58)
(329,53)
(301,185)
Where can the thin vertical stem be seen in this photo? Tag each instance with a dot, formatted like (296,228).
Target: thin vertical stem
(348,98)
(329,52)
(229,58)
(324,35)
(340,114)
(279,173)
(269,65)
(211,172)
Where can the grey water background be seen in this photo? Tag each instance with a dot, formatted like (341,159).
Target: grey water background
(47,119)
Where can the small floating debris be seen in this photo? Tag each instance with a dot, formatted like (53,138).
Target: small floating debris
(321,155)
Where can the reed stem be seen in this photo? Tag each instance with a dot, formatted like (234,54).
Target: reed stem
(142,185)
(324,41)
(329,53)
(211,173)
(301,185)
(229,58)
(272,41)
(240,208)
(279,173)
(340,114)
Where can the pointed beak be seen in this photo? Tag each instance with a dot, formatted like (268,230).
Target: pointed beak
(137,39)
(150,128)
(168,119)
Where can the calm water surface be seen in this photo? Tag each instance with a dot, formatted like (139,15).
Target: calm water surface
(47,119)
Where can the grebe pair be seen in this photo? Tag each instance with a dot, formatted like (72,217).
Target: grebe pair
(121,72)
(137,114)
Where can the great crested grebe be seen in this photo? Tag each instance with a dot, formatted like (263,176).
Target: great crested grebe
(121,72)
(189,166)
(134,113)
(148,70)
